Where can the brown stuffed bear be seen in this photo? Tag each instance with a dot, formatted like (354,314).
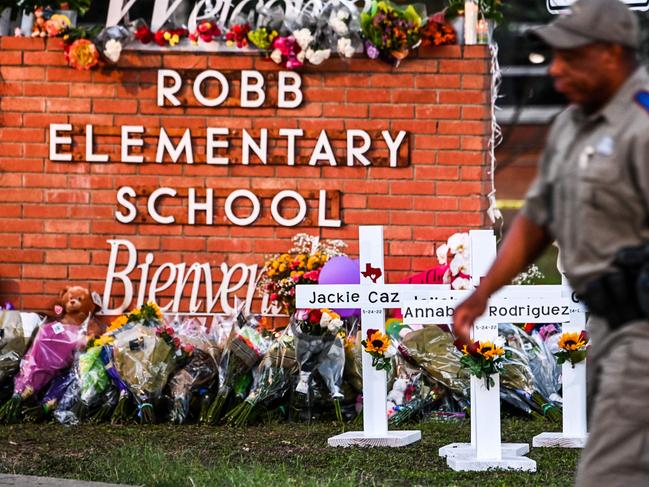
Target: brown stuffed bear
(38,29)
(76,305)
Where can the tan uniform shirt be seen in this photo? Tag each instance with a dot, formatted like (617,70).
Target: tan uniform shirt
(592,189)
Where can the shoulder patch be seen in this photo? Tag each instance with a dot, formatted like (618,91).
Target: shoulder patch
(642,99)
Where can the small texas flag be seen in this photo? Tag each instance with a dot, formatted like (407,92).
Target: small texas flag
(371,272)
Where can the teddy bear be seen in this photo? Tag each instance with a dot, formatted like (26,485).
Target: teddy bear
(38,29)
(75,305)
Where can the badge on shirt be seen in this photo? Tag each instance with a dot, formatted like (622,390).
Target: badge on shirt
(605,146)
(57,328)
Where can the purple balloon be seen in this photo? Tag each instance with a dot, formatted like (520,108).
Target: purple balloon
(341,270)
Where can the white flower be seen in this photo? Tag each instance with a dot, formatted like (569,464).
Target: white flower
(499,342)
(303,38)
(459,265)
(300,56)
(342,14)
(335,324)
(276,56)
(317,57)
(390,352)
(459,243)
(442,254)
(112,50)
(345,47)
(461,283)
(339,26)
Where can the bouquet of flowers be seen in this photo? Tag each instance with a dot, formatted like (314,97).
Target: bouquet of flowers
(318,346)
(437,32)
(200,371)
(483,359)
(145,353)
(206,31)
(379,346)
(271,381)
(111,41)
(573,348)
(300,265)
(90,383)
(391,30)
(15,335)
(244,349)
(455,257)
(52,351)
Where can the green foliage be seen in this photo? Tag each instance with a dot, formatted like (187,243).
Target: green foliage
(574,357)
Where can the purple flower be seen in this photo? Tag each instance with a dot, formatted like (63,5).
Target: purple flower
(371,50)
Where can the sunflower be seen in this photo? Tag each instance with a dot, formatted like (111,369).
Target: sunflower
(377,342)
(490,351)
(573,341)
(117,323)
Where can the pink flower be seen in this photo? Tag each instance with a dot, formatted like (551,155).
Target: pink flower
(274,297)
(301,314)
(188,348)
(176,342)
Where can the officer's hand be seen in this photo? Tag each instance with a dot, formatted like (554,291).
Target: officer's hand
(464,316)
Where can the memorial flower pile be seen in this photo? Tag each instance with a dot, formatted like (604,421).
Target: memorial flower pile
(379,346)
(573,347)
(300,265)
(483,359)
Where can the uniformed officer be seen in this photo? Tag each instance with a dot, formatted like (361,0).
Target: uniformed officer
(591,194)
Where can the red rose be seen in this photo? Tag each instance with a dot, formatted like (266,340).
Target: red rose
(315,315)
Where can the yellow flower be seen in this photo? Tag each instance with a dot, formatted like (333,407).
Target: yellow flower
(158,311)
(571,341)
(117,323)
(167,36)
(489,351)
(104,340)
(378,342)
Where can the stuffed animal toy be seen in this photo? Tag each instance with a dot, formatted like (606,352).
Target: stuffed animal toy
(38,29)
(77,304)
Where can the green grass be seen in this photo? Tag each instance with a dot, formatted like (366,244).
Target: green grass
(268,455)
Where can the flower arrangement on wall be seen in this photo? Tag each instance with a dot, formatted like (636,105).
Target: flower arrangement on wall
(291,39)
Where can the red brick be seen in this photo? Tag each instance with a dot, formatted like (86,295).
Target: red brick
(68,105)
(44,58)
(21,73)
(7,58)
(22,43)
(458,188)
(22,104)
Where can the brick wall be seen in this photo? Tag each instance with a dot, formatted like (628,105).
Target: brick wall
(55,217)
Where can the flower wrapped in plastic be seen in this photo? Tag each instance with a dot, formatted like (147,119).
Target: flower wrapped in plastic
(111,42)
(318,346)
(16,332)
(52,351)
(87,391)
(244,349)
(144,354)
(431,350)
(300,265)
(391,29)
(271,381)
(200,371)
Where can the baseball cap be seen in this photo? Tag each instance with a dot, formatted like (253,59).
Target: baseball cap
(592,21)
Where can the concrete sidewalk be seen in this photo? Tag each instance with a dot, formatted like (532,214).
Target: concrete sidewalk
(29,481)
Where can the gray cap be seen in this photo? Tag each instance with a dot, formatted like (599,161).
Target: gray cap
(590,21)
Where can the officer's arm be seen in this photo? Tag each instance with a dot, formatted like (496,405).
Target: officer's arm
(524,242)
